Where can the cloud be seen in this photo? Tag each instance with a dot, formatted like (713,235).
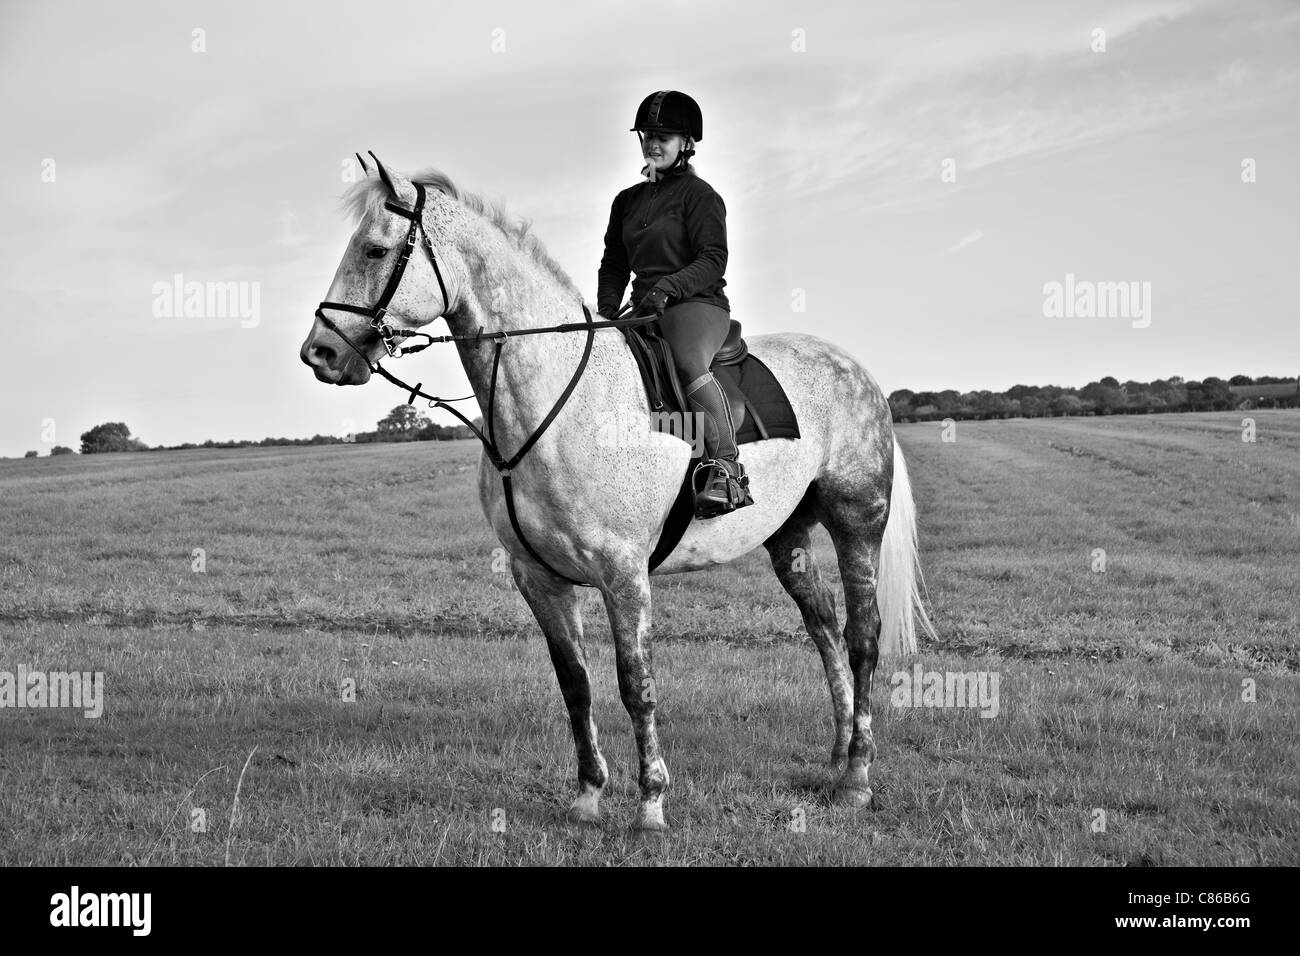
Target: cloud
(965,241)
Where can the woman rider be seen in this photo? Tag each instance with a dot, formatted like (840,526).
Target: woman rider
(671,231)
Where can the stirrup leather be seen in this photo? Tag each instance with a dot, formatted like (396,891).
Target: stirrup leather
(720,486)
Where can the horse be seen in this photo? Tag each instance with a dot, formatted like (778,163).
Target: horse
(584,510)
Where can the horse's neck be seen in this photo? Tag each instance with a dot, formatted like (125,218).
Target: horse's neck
(509,292)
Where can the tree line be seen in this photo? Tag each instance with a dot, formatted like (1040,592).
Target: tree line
(404,423)
(1106,396)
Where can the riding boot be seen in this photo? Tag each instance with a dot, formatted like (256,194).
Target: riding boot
(719,480)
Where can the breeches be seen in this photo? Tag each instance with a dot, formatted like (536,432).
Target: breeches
(695,330)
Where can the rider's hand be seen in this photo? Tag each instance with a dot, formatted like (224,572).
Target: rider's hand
(654,302)
(608,312)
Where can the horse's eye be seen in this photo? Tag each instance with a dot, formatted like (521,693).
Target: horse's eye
(376,252)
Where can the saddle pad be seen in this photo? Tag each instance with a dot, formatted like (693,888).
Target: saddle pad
(767,410)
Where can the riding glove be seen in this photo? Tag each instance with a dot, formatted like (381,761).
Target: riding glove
(653,303)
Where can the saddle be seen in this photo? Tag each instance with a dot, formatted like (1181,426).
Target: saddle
(654,356)
(759,407)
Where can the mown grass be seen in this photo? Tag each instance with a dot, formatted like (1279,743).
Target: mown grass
(1119,692)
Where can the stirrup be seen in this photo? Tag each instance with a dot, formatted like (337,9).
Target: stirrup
(720,491)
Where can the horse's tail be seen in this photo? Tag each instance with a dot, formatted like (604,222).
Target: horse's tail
(898,590)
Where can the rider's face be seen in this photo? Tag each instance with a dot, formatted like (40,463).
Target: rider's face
(661,149)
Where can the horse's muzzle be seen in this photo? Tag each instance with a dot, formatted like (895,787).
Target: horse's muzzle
(330,365)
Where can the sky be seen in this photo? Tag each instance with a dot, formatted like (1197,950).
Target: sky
(904,178)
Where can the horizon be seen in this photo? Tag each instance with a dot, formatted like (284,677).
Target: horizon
(918,175)
(191,444)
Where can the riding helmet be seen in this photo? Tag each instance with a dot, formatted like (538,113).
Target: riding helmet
(669,111)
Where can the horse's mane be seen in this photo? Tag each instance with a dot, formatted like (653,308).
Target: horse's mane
(369,196)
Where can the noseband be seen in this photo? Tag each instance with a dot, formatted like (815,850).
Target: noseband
(377,313)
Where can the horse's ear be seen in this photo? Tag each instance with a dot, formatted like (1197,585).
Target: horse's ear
(400,189)
(364,168)
(383,174)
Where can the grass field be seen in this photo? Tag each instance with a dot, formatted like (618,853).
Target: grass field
(1121,693)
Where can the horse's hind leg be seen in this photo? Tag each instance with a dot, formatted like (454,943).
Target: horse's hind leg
(857,526)
(555,604)
(791,551)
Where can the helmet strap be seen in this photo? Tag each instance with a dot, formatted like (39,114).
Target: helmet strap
(681,162)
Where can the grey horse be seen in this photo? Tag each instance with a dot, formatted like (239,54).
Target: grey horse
(593,507)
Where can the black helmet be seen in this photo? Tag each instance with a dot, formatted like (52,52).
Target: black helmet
(668,111)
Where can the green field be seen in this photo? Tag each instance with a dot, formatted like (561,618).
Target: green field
(1121,693)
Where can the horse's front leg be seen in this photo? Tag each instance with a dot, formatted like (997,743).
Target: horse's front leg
(556,605)
(627,601)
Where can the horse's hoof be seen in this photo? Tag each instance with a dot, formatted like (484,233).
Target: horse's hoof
(581,814)
(650,821)
(585,807)
(853,796)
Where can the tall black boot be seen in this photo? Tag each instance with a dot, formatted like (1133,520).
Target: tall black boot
(720,482)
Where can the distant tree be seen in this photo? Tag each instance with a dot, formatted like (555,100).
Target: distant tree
(1216,394)
(949,400)
(1031,406)
(32,454)
(902,396)
(403,423)
(1018,392)
(1241,380)
(1172,391)
(110,436)
(1141,400)
(1106,399)
(432,431)
(1109,381)
(1066,405)
(60,450)
(995,405)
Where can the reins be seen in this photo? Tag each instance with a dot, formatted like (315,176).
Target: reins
(388,335)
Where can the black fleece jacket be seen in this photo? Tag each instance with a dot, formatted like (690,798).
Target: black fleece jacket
(673,235)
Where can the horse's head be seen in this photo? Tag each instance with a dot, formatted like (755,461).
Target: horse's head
(385,277)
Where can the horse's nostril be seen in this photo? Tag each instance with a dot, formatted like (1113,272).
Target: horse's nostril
(319,355)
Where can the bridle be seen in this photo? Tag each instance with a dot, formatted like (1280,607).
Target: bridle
(388,335)
(386,332)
